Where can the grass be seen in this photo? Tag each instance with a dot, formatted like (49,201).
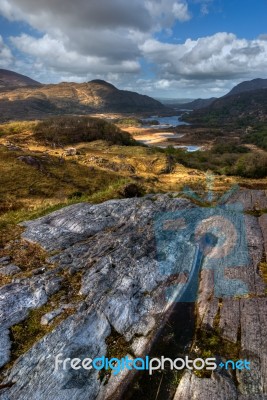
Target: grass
(263,271)
(210,344)
(14,128)
(117,347)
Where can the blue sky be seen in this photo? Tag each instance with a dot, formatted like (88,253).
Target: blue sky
(164,48)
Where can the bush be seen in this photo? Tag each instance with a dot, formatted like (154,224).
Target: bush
(222,148)
(131,190)
(258,138)
(61,131)
(126,122)
(252,166)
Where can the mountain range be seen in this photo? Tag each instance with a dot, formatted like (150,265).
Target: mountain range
(24,98)
(243,109)
(243,87)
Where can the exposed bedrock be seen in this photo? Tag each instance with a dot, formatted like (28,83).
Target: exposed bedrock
(128,273)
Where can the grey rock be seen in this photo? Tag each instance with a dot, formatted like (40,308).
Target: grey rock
(230,319)
(47,318)
(79,336)
(32,161)
(39,271)
(218,387)
(9,270)
(112,247)
(5,259)
(5,347)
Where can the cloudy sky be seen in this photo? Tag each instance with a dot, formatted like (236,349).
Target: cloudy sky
(164,48)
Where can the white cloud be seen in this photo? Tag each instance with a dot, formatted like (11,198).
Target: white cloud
(204,9)
(88,37)
(6,57)
(181,12)
(51,53)
(221,56)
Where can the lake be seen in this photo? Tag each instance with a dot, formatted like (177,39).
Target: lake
(189,148)
(165,122)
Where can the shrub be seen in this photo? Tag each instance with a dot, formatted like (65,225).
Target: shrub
(258,138)
(61,131)
(222,148)
(252,166)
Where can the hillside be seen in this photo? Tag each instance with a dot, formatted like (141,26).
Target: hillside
(241,109)
(72,98)
(243,87)
(10,80)
(197,104)
(248,86)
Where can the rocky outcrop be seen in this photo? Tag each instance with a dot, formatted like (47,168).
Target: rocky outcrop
(217,387)
(240,321)
(115,251)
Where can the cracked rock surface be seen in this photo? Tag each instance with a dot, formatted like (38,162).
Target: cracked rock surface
(112,248)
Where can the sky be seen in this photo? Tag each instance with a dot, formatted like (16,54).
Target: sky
(162,48)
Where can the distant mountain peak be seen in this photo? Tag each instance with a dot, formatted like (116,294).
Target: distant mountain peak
(31,100)
(102,83)
(247,86)
(10,79)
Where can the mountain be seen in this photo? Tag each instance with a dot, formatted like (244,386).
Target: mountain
(72,98)
(248,86)
(239,109)
(197,104)
(242,87)
(10,80)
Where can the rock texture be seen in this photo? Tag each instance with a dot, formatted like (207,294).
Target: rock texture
(241,321)
(112,248)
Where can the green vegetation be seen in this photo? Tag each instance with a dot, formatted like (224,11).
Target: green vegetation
(126,122)
(61,131)
(13,128)
(117,347)
(223,159)
(239,111)
(251,166)
(209,344)
(258,137)
(150,122)
(263,270)
(229,148)
(52,181)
